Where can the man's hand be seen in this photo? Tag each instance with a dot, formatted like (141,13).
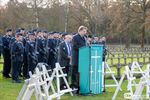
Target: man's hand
(69,57)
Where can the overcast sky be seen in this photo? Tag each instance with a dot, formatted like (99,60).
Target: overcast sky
(3,2)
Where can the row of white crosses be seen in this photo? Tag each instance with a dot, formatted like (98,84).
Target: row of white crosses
(41,83)
(108,71)
(144,81)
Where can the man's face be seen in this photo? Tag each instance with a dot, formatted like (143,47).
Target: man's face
(103,38)
(50,36)
(68,38)
(20,38)
(56,35)
(31,37)
(83,32)
(96,38)
(40,34)
(10,33)
(45,34)
(60,36)
(23,32)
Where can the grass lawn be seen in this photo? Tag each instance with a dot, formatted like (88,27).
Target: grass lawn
(9,91)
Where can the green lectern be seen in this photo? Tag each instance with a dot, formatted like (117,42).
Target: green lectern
(90,69)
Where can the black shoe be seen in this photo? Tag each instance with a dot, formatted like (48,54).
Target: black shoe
(75,89)
(6,76)
(16,81)
(20,75)
(63,87)
(24,78)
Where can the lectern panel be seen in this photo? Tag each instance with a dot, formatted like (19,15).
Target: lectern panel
(90,69)
(84,70)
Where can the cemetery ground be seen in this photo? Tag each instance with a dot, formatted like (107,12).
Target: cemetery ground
(9,90)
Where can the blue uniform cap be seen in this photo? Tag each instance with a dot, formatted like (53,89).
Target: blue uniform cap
(34,30)
(74,33)
(31,33)
(45,31)
(9,30)
(18,33)
(55,32)
(18,30)
(39,31)
(51,33)
(61,33)
(22,28)
(64,34)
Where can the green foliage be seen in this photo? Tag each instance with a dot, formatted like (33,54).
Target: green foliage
(9,90)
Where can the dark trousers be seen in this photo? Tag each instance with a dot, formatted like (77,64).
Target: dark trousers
(7,64)
(75,76)
(16,65)
(65,71)
(42,58)
(51,61)
(25,66)
(31,66)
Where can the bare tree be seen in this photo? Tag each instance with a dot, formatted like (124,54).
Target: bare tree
(141,8)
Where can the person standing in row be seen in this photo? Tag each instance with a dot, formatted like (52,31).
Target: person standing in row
(64,57)
(51,51)
(6,42)
(31,52)
(17,51)
(41,47)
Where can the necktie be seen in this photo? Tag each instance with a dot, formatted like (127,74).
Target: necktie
(68,49)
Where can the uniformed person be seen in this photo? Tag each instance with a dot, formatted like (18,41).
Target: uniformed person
(25,63)
(23,68)
(22,31)
(102,41)
(51,50)
(17,51)
(31,52)
(41,47)
(45,34)
(95,40)
(6,42)
(0,46)
(57,41)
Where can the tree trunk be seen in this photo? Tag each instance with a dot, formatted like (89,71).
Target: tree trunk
(143,36)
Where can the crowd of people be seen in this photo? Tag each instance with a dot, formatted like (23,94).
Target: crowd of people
(23,49)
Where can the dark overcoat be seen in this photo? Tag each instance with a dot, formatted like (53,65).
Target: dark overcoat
(77,42)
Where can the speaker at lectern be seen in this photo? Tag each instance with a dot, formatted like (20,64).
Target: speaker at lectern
(90,69)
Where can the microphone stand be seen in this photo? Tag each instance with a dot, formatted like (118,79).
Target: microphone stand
(104,65)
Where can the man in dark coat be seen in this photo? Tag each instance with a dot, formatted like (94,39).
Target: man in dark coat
(31,52)
(103,42)
(57,41)
(6,42)
(0,46)
(25,63)
(17,51)
(51,51)
(41,47)
(64,51)
(64,57)
(78,41)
